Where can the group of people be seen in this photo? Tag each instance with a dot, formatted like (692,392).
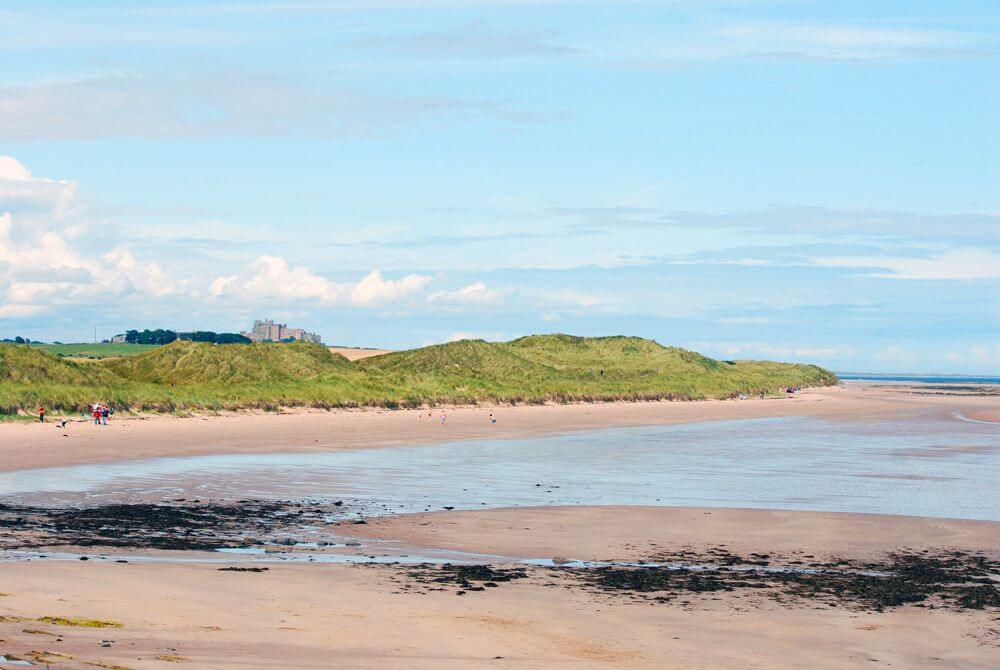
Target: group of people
(444,417)
(100,413)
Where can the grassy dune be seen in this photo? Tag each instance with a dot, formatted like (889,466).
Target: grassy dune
(185,362)
(196,376)
(95,351)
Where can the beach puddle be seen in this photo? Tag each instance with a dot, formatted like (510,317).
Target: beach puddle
(891,467)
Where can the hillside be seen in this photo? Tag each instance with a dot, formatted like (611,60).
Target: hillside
(94,351)
(539,368)
(183,362)
(21,363)
(461,372)
(565,368)
(31,377)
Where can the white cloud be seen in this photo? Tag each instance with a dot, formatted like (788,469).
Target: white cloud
(221,105)
(895,354)
(44,257)
(271,278)
(20,311)
(958,264)
(20,191)
(978,354)
(376,290)
(477,293)
(985,354)
(570,297)
(788,40)
(775,351)
(472,40)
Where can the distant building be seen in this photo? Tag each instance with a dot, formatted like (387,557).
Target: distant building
(118,339)
(269,331)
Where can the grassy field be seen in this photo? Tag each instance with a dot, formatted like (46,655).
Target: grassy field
(186,376)
(95,351)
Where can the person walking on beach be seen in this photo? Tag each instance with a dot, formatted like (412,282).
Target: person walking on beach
(41,415)
(105,412)
(96,413)
(493,420)
(444,418)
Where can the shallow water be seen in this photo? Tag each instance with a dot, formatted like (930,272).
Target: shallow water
(923,467)
(917,379)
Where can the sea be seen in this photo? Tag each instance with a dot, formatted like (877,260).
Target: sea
(914,378)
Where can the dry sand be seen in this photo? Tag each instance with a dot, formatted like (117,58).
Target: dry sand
(33,445)
(357,353)
(324,616)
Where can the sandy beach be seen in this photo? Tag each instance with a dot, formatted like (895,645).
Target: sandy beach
(177,610)
(34,445)
(321,616)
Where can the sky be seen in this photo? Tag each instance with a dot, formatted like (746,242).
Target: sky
(785,179)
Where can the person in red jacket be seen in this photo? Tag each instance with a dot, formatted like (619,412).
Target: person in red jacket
(41,415)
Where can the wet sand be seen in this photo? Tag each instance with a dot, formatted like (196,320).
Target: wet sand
(988,414)
(631,533)
(321,616)
(33,445)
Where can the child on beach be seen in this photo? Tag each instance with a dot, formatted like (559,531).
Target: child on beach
(493,420)
(443,418)
(41,415)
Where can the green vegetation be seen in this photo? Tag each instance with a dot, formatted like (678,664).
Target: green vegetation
(94,351)
(564,368)
(185,362)
(78,622)
(161,336)
(32,365)
(198,376)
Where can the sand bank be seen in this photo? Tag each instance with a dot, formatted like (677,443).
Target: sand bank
(633,533)
(32,445)
(321,616)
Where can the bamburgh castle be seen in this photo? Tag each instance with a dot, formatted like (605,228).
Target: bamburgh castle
(269,331)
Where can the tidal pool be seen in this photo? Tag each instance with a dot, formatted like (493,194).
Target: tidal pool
(925,467)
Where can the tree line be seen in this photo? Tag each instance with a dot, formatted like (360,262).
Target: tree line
(161,336)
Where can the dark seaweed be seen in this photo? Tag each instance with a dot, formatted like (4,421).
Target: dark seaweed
(957,580)
(192,526)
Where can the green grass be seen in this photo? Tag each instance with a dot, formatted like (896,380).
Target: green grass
(29,365)
(95,351)
(184,362)
(185,376)
(564,368)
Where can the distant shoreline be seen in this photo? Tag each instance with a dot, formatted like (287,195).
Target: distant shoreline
(917,378)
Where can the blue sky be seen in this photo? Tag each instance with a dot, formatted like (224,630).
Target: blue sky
(798,180)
